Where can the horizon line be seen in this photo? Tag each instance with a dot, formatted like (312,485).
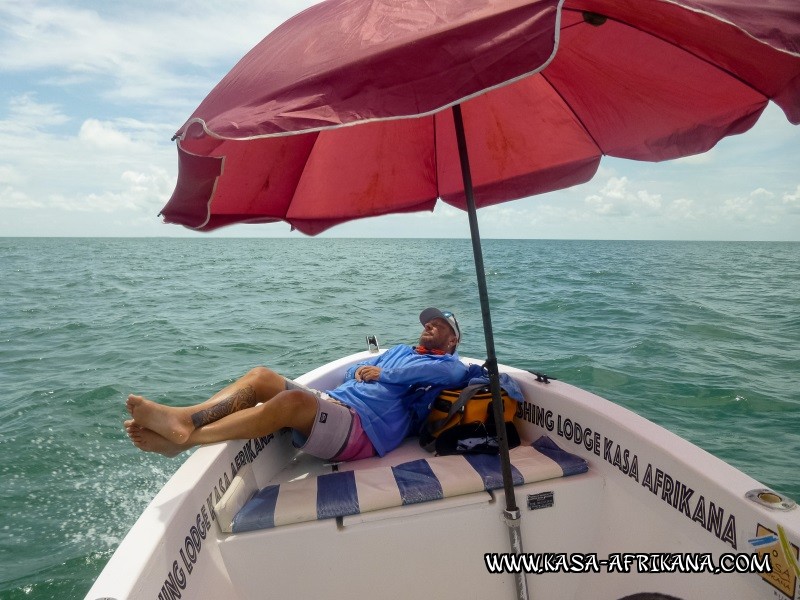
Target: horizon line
(334,237)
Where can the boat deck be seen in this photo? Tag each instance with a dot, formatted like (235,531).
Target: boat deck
(377,485)
(362,548)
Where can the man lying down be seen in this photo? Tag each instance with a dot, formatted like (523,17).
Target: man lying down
(381,401)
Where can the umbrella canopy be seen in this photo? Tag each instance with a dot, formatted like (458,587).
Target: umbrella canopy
(546,88)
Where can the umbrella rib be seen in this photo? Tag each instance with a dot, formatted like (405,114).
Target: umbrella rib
(577,118)
(708,62)
(573,113)
(436,157)
(285,217)
(565,101)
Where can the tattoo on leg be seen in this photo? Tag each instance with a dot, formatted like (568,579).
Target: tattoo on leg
(244,398)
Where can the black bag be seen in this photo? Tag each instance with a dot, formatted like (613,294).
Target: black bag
(462,422)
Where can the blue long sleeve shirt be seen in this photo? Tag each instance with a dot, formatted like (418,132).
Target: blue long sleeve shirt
(398,401)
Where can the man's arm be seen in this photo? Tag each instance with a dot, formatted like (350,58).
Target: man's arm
(368,373)
(434,372)
(351,372)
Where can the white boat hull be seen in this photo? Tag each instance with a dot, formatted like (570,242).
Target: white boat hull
(647,493)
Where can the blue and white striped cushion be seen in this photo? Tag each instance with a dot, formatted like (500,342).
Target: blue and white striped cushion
(351,492)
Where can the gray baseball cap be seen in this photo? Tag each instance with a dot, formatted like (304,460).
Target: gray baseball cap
(434,313)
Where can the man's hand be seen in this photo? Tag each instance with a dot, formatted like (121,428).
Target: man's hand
(367,373)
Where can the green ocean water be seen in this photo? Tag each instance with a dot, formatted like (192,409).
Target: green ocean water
(702,338)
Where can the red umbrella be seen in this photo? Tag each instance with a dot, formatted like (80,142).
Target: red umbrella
(339,113)
(648,80)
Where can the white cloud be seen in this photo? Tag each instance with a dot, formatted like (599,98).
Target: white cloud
(792,200)
(26,113)
(103,135)
(165,53)
(737,208)
(759,206)
(139,192)
(102,166)
(616,199)
(761,194)
(12,198)
(10,175)
(685,209)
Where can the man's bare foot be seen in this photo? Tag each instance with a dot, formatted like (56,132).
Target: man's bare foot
(149,441)
(172,423)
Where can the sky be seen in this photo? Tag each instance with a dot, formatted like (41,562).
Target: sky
(92,91)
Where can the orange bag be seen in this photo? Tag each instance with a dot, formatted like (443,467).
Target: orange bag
(462,422)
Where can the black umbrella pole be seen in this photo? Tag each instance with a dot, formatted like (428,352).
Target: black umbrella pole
(512,513)
(491,355)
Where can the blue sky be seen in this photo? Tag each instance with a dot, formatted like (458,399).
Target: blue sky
(92,92)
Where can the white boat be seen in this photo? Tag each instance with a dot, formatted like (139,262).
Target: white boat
(652,514)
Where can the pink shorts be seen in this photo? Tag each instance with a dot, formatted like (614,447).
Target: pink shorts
(337,433)
(358,445)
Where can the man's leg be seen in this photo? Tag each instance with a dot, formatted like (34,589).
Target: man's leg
(177,423)
(293,408)
(149,441)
